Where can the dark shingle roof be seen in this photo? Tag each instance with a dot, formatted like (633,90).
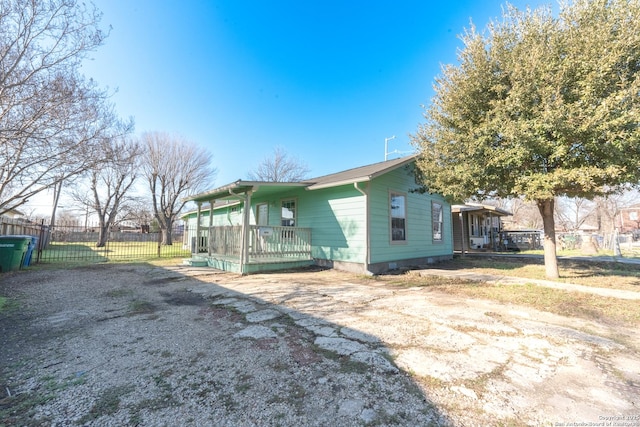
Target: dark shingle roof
(350,176)
(360,174)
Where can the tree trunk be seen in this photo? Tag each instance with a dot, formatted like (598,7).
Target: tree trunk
(57,188)
(166,228)
(167,239)
(103,234)
(546,208)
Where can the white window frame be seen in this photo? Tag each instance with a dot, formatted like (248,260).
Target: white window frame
(394,238)
(474,225)
(437,224)
(295,212)
(259,218)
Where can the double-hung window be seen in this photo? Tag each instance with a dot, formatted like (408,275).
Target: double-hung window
(436,219)
(288,217)
(398,217)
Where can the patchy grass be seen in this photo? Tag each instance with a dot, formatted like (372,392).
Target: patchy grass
(141,307)
(557,301)
(57,252)
(81,263)
(567,303)
(7,304)
(576,304)
(107,403)
(119,293)
(17,408)
(588,273)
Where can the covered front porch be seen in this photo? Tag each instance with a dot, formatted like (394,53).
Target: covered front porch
(269,248)
(247,247)
(476,227)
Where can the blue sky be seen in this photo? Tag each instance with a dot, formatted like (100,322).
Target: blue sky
(327,80)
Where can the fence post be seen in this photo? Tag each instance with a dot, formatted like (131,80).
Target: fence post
(616,244)
(159,241)
(41,242)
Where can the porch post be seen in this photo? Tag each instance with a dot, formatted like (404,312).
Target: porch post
(244,243)
(198,230)
(463,232)
(493,245)
(211,202)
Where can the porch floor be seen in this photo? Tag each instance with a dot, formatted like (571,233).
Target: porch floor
(254,264)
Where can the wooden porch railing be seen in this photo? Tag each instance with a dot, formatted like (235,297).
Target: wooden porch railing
(279,242)
(225,240)
(265,243)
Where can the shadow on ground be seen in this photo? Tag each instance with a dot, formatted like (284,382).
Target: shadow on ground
(141,345)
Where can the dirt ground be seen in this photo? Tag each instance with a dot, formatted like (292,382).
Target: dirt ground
(151,346)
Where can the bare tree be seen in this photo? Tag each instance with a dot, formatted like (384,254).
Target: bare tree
(174,168)
(109,185)
(280,168)
(51,117)
(524,215)
(572,212)
(608,210)
(137,211)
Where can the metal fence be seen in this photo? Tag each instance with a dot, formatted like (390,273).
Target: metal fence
(606,241)
(70,241)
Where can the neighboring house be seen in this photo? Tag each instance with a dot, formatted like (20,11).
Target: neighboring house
(13,214)
(13,222)
(367,220)
(477,226)
(630,220)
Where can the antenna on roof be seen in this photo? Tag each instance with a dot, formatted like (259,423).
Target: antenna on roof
(386,147)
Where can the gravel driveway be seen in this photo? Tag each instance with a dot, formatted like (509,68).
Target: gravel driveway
(114,345)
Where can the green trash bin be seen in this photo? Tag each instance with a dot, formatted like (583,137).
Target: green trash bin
(33,243)
(13,249)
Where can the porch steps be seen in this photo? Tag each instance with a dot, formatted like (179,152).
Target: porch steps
(195,262)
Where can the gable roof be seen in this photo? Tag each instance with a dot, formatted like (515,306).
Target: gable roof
(360,174)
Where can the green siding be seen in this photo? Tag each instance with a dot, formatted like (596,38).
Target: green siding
(419,229)
(337,218)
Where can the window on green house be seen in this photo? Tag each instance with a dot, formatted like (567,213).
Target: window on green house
(288,216)
(475,225)
(436,219)
(398,216)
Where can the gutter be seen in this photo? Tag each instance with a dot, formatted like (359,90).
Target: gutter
(366,227)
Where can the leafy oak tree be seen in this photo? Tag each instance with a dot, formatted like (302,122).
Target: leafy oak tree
(539,106)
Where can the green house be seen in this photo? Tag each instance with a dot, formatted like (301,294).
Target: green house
(368,220)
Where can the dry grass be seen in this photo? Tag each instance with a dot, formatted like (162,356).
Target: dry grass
(587,273)
(566,303)
(572,304)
